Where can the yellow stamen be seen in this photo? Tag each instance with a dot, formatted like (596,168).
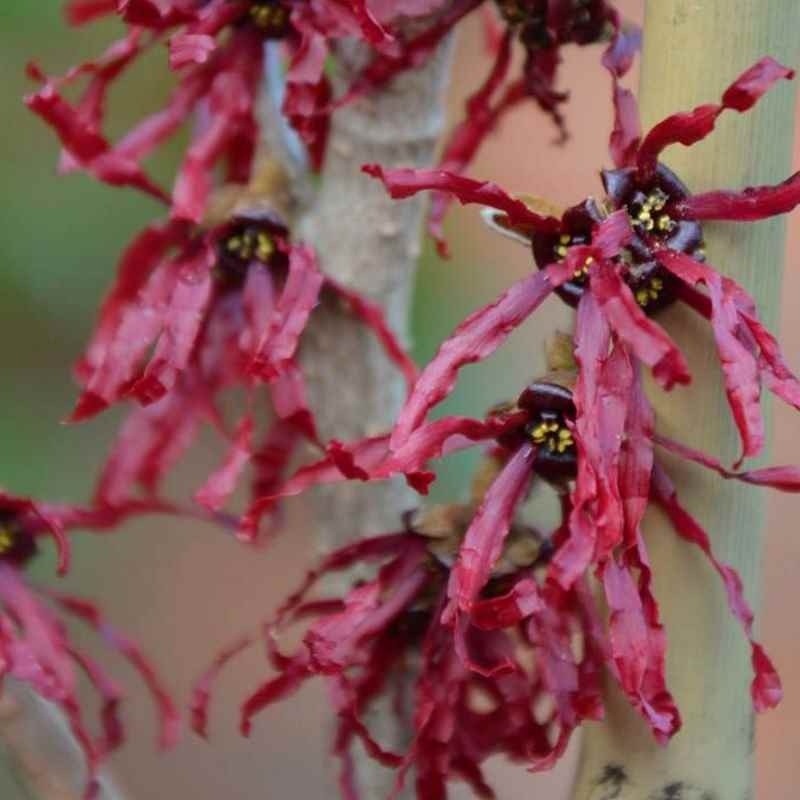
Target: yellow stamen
(268,16)
(265,247)
(554,436)
(657,200)
(665,223)
(539,433)
(6,540)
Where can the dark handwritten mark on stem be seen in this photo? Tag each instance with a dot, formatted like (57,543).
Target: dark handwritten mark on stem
(678,790)
(611,782)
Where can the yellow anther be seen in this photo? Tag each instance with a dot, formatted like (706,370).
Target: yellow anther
(539,433)
(234,243)
(644,214)
(642,297)
(6,540)
(565,238)
(268,16)
(561,251)
(657,200)
(657,283)
(265,247)
(584,270)
(565,433)
(649,224)
(665,222)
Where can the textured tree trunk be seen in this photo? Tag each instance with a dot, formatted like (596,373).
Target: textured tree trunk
(693,50)
(371,244)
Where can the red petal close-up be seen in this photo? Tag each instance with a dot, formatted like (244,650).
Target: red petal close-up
(648,341)
(766,687)
(483,542)
(688,128)
(738,361)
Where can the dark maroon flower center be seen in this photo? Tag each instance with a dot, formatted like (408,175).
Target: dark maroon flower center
(247,240)
(577,225)
(250,244)
(17,543)
(648,204)
(583,24)
(647,212)
(412,625)
(529,17)
(271,17)
(652,286)
(587,23)
(551,411)
(549,430)
(556,454)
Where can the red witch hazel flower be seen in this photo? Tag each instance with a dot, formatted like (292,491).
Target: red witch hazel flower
(587,429)
(649,254)
(636,253)
(217,51)
(542,27)
(196,311)
(35,647)
(520,692)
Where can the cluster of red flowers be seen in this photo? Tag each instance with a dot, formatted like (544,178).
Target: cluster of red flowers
(483,608)
(196,311)
(463,709)
(587,427)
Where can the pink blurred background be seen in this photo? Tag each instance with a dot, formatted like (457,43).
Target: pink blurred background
(184,590)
